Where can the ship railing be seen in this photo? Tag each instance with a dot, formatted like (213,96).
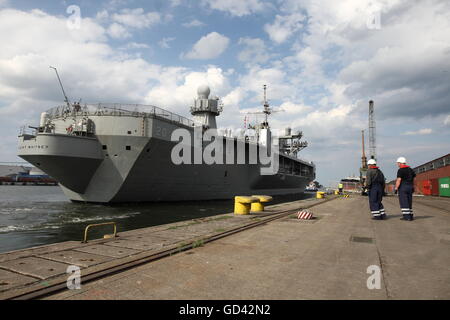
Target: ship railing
(117,109)
(27,131)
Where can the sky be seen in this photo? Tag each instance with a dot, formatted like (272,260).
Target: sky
(321,60)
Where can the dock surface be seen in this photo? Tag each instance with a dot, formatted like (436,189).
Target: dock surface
(274,256)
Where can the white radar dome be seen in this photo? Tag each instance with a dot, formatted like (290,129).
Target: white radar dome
(203,92)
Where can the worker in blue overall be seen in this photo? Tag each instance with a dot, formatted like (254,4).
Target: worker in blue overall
(375,183)
(404,186)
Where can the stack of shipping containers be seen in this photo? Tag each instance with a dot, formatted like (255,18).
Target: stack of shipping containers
(433,178)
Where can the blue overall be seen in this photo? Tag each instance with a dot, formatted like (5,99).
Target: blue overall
(375,198)
(405,192)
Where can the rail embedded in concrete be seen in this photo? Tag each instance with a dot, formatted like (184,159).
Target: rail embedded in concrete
(45,273)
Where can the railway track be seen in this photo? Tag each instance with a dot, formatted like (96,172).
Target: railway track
(38,293)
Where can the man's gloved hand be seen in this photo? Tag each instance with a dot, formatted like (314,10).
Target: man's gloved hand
(396,191)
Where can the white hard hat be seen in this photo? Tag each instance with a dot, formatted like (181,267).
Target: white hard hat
(401,160)
(372,161)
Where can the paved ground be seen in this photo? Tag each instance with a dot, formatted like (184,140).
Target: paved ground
(292,259)
(27,273)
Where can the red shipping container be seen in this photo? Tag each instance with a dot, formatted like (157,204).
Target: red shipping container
(426,187)
(418,186)
(434,184)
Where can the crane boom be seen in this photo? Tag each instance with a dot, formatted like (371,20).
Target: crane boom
(372,132)
(62,88)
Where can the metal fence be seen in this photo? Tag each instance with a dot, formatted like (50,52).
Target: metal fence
(118,109)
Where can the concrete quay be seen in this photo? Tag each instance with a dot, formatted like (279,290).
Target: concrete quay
(279,257)
(34,272)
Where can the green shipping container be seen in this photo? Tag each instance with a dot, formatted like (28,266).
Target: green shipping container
(444,187)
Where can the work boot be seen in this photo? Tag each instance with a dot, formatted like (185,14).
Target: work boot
(406,217)
(377,218)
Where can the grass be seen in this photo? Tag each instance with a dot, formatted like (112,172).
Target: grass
(198,243)
(184,225)
(220,218)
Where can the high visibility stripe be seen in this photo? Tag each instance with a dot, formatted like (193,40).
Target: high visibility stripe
(304,215)
(376,215)
(374,212)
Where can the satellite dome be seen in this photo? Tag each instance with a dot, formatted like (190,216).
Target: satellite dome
(203,92)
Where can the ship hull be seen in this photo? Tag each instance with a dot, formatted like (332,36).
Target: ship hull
(116,168)
(153,177)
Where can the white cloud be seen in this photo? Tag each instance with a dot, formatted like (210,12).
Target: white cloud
(137,18)
(447,120)
(135,45)
(278,88)
(193,23)
(164,43)
(175,3)
(117,31)
(418,132)
(236,7)
(208,47)
(177,87)
(294,109)
(102,15)
(284,27)
(89,68)
(255,50)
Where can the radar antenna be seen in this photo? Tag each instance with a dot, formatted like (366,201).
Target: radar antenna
(267,109)
(66,100)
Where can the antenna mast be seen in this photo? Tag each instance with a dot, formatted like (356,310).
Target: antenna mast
(372,132)
(267,110)
(66,100)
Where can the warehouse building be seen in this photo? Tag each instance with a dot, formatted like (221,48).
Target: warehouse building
(433,177)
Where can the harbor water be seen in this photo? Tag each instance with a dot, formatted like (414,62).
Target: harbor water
(38,215)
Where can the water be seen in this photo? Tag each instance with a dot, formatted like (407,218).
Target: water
(38,215)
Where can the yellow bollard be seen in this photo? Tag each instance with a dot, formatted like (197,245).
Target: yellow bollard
(320,195)
(259,206)
(242,204)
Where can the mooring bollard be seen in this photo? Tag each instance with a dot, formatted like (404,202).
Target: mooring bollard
(259,206)
(320,195)
(242,204)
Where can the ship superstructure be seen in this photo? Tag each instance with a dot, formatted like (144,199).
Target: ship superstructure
(110,153)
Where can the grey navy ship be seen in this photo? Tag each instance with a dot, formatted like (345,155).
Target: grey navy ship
(113,153)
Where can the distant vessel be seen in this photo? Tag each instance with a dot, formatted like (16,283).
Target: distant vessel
(351,184)
(113,153)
